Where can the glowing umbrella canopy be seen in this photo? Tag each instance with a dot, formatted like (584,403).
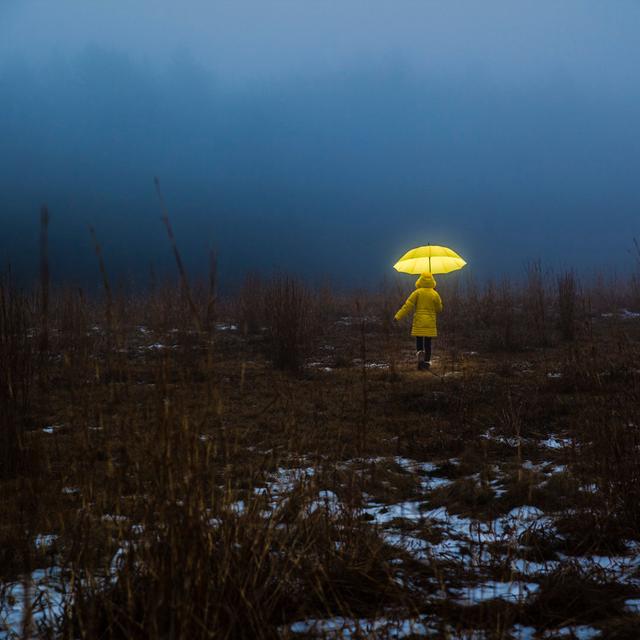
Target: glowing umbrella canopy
(430,259)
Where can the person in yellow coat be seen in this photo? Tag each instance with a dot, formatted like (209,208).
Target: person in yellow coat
(425,302)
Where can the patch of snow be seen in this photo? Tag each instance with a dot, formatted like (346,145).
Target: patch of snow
(45,596)
(466,634)
(157,346)
(415,546)
(52,428)
(466,540)
(559,468)
(340,627)
(226,326)
(114,518)
(510,441)
(632,605)
(514,591)
(618,568)
(409,510)
(521,632)
(554,375)
(238,507)
(434,482)
(525,518)
(319,365)
(328,501)
(117,561)
(530,568)
(70,490)
(556,443)
(498,488)
(413,466)
(44,540)
(283,482)
(623,314)
(526,513)
(581,632)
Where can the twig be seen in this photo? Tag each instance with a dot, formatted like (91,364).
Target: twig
(44,278)
(182,271)
(105,278)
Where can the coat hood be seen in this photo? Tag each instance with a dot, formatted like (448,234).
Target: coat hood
(426,281)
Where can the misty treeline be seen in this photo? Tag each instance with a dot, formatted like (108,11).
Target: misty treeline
(285,316)
(370,160)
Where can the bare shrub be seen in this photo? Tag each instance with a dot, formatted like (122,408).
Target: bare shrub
(507,331)
(495,318)
(249,307)
(608,458)
(242,579)
(288,311)
(17,373)
(567,305)
(535,304)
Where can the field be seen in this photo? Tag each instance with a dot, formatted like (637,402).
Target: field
(272,465)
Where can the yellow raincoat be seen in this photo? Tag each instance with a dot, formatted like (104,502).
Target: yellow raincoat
(426,303)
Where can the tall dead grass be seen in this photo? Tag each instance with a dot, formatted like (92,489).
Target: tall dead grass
(289,313)
(157,470)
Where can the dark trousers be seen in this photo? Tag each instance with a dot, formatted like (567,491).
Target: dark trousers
(423,343)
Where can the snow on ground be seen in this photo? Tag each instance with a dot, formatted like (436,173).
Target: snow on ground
(385,513)
(226,326)
(42,591)
(415,527)
(340,627)
(45,540)
(514,591)
(553,442)
(581,632)
(51,429)
(623,314)
(632,605)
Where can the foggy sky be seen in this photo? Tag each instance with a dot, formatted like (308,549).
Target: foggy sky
(321,137)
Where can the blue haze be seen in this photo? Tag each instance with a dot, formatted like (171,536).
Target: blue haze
(333,134)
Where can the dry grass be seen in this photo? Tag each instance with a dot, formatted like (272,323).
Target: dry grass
(181,482)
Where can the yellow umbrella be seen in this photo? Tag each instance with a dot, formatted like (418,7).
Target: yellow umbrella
(432,259)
